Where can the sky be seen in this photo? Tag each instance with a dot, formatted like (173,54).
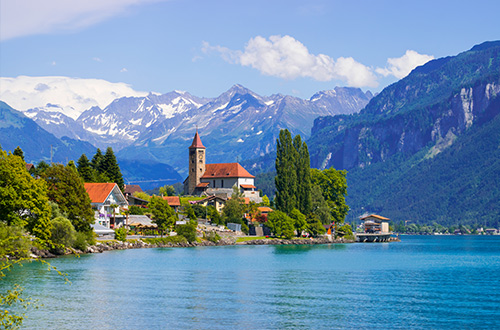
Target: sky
(131,47)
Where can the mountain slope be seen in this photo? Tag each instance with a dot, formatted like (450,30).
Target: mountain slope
(414,145)
(37,144)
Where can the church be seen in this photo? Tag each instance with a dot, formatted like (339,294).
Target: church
(216,179)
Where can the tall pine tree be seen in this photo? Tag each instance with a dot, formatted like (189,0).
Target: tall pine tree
(286,175)
(19,152)
(97,160)
(85,168)
(111,169)
(302,168)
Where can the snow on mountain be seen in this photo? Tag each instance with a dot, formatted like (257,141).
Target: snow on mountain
(71,95)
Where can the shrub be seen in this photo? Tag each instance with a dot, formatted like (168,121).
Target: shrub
(212,237)
(121,234)
(80,242)
(63,233)
(188,231)
(13,242)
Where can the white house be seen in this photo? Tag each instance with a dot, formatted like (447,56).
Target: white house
(103,197)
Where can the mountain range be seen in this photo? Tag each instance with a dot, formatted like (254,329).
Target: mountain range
(157,129)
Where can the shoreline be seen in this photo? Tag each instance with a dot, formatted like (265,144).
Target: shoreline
(112,245)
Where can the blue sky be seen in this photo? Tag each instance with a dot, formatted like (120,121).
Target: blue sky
(205,47)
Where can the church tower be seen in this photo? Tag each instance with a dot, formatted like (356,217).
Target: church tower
(196,163)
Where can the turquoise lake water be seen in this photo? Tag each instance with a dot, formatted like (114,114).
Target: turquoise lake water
(423,282)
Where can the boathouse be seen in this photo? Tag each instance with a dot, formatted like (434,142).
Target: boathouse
(376,229)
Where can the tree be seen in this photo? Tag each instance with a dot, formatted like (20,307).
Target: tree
(66,188)
(303,170)
(40,168)
(299,221)
(190,213)
(63,233)
(97,160)
(23,199)
(234,208)
(167,191)
(187,231)
(314,226)
(163,215)
(85,168)
(265,201)
(280,224)
(319,206)
(109,167)
(334,189)
(19,152)
(286,176)
(214,215)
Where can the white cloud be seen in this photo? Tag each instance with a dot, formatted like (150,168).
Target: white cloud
(124,70)
(400,67)
(23,93)
(288,58)
(97,59)
(27,17)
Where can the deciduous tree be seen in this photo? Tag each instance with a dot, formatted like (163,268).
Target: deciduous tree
(163,215)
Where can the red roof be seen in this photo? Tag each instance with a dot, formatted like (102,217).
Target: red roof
(197,142)
(29,166)
(225,170)
(98,192)
(265,209)
(247,186)
(173,200)
(202,185)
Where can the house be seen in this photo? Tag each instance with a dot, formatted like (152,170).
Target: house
(130,189)
(217,201)
(376,224)
(173,201)
(106,200)
(217,179)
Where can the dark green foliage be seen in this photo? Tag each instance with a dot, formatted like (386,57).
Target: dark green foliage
(121,234)
(63,233)
(189,212)
(109,167)
(97,161)
(82,240)
(345,231)
(299,221)
(66,188)
(457,186)
(314,226)
(163,215)
(134,209)
(167,191)
(40,168)
(85,168)
(187,231)
(19,152)
(333,185)
(265,181)
(302,168)
(281,225)
(214,215)
(234,209)
(319,206)
(200,211)
(286,175)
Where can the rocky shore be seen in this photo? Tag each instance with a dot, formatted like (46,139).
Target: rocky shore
(111,245)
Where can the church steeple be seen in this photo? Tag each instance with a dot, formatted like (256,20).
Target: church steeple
(196,163)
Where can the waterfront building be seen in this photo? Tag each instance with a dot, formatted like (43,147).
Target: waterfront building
(107,200)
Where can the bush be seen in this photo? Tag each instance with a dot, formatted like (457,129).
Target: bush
(63,233)
(188,231)
(80,242)
(121,234)
(212,237)
(13,242)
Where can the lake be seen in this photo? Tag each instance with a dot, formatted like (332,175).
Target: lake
(423,282)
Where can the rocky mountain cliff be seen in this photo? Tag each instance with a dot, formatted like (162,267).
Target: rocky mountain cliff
(409,137)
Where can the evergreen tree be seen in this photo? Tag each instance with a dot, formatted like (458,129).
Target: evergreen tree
(302,167)
(286,175)
(66,188)
(97,160)
(111,169)
(85,168)
(18,152)
(41,167)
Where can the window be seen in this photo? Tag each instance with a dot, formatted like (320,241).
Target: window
(222,183)
(214,183)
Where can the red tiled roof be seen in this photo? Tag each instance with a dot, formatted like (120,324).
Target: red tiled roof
(374,216)
(197,142)
(202,185)
(29,166)
(225,170)
(247,186)
(265,209)
(98,192)
(173,200)
(132,188)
